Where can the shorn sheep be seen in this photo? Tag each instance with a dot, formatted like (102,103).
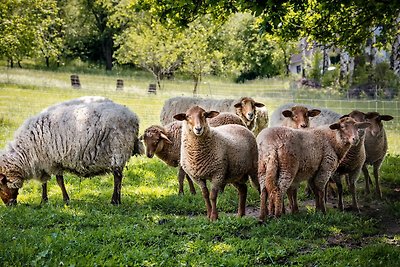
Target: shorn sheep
(224,155)
(296,117)
(351,164)
(86,136)
(165,142)
(289,156)
(325,117)
(376,146)
(245,107)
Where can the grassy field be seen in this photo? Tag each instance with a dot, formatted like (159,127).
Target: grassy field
(156,227)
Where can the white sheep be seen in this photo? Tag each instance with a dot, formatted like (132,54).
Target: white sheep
(376,146)
(289,156)
(223,154)
(165,142)
(245,108)
(87,136)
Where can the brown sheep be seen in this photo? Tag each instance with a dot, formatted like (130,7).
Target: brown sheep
(224,155)
(165,142)
(288,156)
(376,146)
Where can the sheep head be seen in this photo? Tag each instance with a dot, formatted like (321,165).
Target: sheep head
(196,119)
(7,194)
(300,116)
(348,129)
(154,138)
(246,108)
(376,122)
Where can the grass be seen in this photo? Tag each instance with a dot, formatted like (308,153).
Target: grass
(156,227)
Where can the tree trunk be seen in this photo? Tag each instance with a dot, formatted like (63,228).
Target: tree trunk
(325,59)
(395,56)
(107,47)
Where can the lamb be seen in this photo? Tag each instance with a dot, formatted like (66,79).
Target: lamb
(244,107)
(86,136)
(224,155)
(288,156)
(351,164)
(375,148)
(165,142)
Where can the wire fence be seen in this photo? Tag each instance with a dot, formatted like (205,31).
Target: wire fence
(24,93)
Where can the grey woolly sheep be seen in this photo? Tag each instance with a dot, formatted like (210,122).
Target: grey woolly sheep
(87,136)
(223,154)
(244,107)
(376,146)
(288,156)
(165,142)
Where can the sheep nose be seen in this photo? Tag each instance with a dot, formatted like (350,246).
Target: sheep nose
(198,130)
(150,155)
(303,125)
(250,115)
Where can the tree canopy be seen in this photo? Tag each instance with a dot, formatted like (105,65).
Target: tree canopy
(345,24)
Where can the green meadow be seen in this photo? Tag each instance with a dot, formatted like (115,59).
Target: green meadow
(155,226)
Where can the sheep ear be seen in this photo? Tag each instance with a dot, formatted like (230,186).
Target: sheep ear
(334,126)
(211,114)
(180,117)
(362,125)
(259,105)
(163,136)
(386,117)
(313,112)
(238,105)
(287,113)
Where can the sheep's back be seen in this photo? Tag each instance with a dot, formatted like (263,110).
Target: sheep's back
(295,148)
(239,144)
(86,138)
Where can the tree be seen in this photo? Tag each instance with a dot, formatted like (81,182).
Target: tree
(345,24)
(150,45)
(30,28)
(197,54)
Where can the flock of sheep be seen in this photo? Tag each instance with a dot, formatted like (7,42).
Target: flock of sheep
(227,141)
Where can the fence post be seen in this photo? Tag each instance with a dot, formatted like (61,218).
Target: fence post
(152,88)
(75,83)
(120,84)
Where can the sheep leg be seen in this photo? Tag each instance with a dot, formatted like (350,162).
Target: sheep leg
(352,188)
(206,197)
(263,204)
(181,178)
(60,182)
(367,178)
(339,186)
(242,192)
(292,196)
(116,197)
(45,199)
(376,167)
(191,186)
(213,197)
